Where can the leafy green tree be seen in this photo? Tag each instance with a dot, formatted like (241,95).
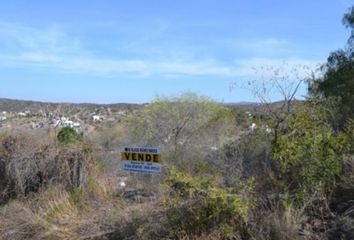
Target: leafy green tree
(338,78)
(68,135)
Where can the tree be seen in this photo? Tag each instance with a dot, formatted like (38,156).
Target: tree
(284,80)
(338,78)
(180,123)
(306,154)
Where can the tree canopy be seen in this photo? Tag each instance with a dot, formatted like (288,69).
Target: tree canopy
(338,78)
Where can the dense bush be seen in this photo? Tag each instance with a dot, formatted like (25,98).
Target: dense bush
(68,135)
(198,205)
(309,154)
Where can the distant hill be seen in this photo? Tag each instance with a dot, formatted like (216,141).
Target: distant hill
(13,105)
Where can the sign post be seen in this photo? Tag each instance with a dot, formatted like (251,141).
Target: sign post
(145,160)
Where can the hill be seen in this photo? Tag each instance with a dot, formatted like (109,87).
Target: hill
(14,105)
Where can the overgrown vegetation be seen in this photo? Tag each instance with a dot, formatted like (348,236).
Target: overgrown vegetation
(291,177)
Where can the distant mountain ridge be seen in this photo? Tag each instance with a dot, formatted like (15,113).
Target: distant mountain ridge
(15,105)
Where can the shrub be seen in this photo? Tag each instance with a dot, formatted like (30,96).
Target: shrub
(26,165)
(309,154)
(196,206)
(68,135)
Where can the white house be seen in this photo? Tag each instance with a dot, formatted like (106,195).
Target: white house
(39,125)
(55,121)
(253,126)
(249,114)
(97,118)
(268,129)
(121,112)
(76,126)
(68,123)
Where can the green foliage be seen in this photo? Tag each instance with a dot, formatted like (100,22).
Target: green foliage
(309,154)
(349,134)
(338,79)
(175,124)
(348,21)
(68,135)
(198,205)
(338,82)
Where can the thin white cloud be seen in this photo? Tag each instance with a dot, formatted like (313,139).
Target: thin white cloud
(49,40)
(269,46)
(52,48)
(104,66)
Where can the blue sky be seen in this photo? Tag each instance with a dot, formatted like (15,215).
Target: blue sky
(108,51)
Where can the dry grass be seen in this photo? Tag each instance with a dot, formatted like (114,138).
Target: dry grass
(56,217)
(54,214)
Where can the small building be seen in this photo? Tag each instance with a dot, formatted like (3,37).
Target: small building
(253,126)
(268,129)
(67,123)
(54,122)
(40,125)
(76,126)
(97,118)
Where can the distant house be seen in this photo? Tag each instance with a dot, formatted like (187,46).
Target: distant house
(268,129)
(121,112)
(76,126)
(67,123)
(253,126)
(97,118)
(40,125)
(54,122)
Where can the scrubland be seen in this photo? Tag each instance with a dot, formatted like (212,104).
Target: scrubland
(291,177)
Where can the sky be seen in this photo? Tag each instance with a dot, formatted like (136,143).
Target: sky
(110,51)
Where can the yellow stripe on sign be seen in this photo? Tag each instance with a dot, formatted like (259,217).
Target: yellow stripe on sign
(141,157)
